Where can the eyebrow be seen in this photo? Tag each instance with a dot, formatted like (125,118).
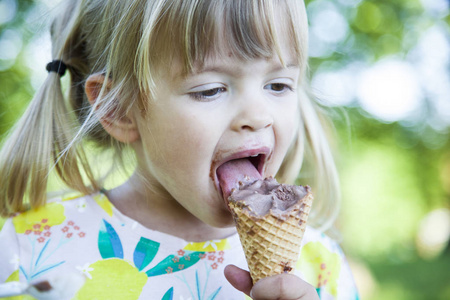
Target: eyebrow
(226,69)
(280,67)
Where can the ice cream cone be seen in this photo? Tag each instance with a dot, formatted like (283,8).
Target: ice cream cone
(271,244)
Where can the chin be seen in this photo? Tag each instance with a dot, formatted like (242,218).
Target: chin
(227,225)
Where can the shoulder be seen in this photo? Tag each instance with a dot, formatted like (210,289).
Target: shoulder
(321,253)
(313,235)
(323,264)
(9,253)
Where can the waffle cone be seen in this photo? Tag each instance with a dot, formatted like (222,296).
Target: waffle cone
(271,245)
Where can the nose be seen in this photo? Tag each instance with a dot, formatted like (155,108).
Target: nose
(253,115)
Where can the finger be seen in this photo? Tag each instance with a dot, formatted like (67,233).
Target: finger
(283,286)
(239,279)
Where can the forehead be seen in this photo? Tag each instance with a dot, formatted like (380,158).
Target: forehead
(238,29)
(224,59)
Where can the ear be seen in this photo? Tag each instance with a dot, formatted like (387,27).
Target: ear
(124,128)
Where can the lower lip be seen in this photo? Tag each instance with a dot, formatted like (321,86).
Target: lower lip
(220,192)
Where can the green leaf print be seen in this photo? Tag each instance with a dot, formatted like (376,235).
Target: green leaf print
(168,295)
(173,263)
(109,243)
(144,253)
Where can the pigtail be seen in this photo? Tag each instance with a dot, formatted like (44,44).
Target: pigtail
(38,143)
(43,138)
(26,155)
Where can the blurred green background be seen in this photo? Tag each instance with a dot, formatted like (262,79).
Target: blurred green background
(382,67)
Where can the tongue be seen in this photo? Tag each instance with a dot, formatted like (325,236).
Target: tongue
(235,171)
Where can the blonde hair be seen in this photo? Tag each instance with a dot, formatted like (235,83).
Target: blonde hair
(131,42)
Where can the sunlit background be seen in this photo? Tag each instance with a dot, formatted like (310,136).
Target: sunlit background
(382,67)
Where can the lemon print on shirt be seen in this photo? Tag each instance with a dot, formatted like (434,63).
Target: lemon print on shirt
(48,215)
(117,277)
(127,282)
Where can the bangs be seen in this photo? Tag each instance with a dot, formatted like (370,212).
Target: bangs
(189,32)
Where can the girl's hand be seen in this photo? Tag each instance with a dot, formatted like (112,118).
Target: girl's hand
(283,286)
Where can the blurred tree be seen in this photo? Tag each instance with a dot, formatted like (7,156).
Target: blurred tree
(394,172)
(16,90)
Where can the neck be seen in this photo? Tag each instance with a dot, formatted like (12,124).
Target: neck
(151,206)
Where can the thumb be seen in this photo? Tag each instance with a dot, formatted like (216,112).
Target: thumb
(239,279)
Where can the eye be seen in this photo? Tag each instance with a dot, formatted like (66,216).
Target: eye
(278,88)
(207,95)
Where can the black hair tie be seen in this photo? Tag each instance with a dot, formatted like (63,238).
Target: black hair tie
(57,66)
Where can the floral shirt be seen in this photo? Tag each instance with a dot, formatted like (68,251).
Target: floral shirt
(122,259)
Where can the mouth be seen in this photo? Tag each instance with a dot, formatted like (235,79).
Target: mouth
(240,168)
(258,162)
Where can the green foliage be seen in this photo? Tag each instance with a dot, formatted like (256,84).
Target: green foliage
(414,280)
(16,91)
(15,94)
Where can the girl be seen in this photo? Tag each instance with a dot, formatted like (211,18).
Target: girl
(188,86)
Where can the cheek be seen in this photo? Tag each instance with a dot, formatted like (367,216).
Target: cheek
(191,135)
(286,129)
(178,139)
(289,122)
